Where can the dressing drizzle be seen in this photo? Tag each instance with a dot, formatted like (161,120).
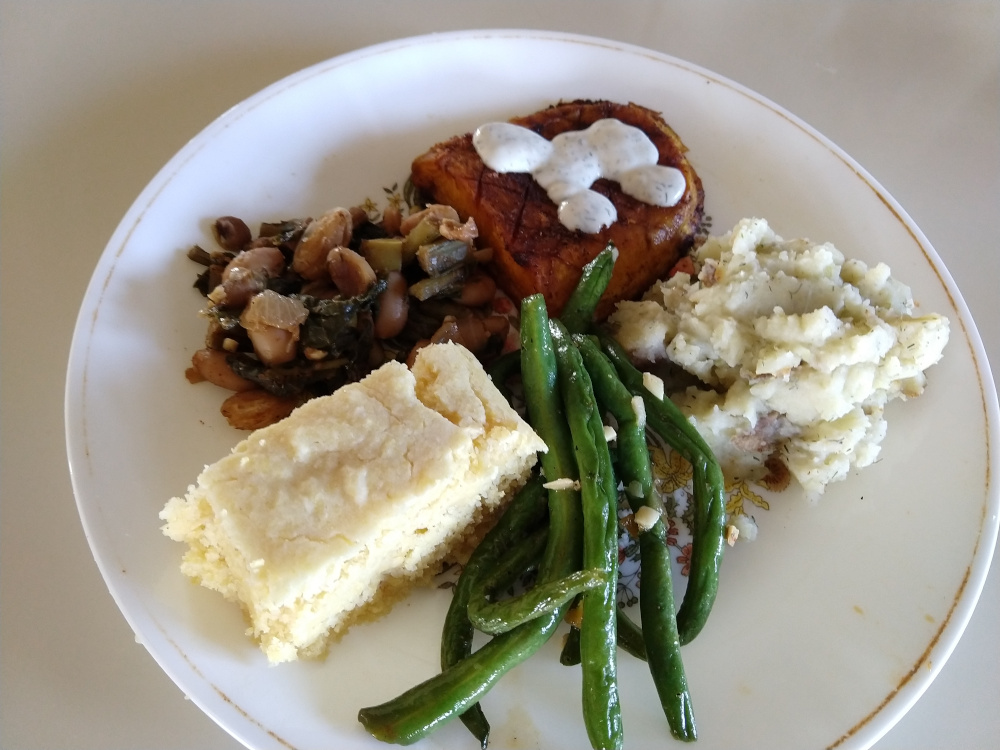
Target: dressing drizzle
(570,163)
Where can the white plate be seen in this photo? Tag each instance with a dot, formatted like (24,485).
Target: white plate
(826,629)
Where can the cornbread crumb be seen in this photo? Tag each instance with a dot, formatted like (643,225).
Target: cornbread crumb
(331,515)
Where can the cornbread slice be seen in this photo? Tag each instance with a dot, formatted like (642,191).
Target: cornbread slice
(314,521)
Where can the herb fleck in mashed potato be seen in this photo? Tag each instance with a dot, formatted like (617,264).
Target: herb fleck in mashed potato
(800,348)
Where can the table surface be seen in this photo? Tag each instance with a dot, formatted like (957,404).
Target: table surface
(98,95)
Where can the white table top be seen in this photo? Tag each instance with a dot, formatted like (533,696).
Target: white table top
(98,95)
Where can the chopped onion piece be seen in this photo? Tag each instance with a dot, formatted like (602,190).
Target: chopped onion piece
(635,489)
(646,518)
(732,534)
(609,433)
(562,484)
(639,408)
(653,384)
(270,309)
(745,526)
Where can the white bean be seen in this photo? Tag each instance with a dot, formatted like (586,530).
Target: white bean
(273,345)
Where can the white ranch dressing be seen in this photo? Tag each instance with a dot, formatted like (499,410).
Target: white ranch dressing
(570,163)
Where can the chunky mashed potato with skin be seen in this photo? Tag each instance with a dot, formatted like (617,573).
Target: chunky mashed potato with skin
(800,348)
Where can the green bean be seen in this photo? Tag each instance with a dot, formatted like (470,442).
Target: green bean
(518,561)
(629,636)
(660,633)
(578,312)
(420,710)
(598,634)
(526,510)
(540,599)
(449,282)
(417,712)
(707,542)
(656,598)
(689,441)
(539,377)
(708,537)
(570,654)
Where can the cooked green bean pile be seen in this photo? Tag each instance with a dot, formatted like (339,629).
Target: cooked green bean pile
(565,528)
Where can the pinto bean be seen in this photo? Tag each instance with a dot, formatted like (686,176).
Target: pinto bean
(267,260)
(359,216)
(247,274)
(376,354)
(467,330)
(472,334)
(393,307)
(212,365)
(478,290)
(231,233)
(332,229)
(497,325)
(350,271)
(412,356)
(447,331)
(251,410)
(392,218)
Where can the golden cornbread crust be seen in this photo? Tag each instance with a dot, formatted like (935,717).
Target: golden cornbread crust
(393,590)
(329,516)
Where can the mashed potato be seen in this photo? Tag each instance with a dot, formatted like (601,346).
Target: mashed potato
(800,348)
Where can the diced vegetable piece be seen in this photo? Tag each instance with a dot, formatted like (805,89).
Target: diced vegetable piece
(437,286)
(440,257)
(384,254)
(424,233)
